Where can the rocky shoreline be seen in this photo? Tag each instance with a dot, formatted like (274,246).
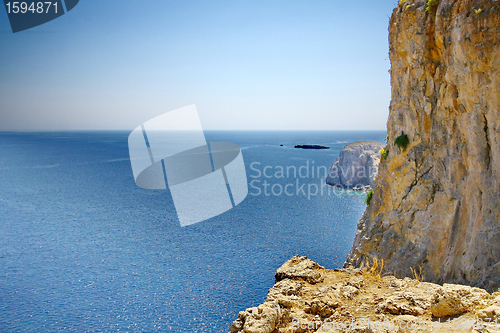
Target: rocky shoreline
(310,298)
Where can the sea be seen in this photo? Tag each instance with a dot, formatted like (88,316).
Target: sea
(84,249)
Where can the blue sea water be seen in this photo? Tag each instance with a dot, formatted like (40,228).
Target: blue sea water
(82,248)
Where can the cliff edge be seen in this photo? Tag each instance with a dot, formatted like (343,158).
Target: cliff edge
(436,203)
(309,298)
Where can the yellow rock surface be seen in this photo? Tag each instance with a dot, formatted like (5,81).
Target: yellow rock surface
(437,204)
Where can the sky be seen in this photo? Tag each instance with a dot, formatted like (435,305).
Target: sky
(246,65)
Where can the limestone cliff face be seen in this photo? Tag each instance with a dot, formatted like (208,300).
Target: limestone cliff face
(356,165)
(437,203)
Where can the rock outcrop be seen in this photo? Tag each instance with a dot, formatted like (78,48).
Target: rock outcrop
(436,203)
(356,165)
(360,300)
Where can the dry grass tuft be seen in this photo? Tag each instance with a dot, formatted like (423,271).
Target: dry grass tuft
(374,269)
(417,276)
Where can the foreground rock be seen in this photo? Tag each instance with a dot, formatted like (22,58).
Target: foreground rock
(356,166)
(309,298)
(436,204)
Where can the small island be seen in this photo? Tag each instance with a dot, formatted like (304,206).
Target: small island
(311,147)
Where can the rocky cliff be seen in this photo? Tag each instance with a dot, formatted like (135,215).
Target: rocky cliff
(356,165)
(436,203)
(309,298)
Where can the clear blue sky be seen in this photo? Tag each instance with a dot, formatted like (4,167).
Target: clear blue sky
(269,65)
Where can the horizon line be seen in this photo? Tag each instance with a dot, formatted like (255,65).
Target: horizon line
(219,130)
